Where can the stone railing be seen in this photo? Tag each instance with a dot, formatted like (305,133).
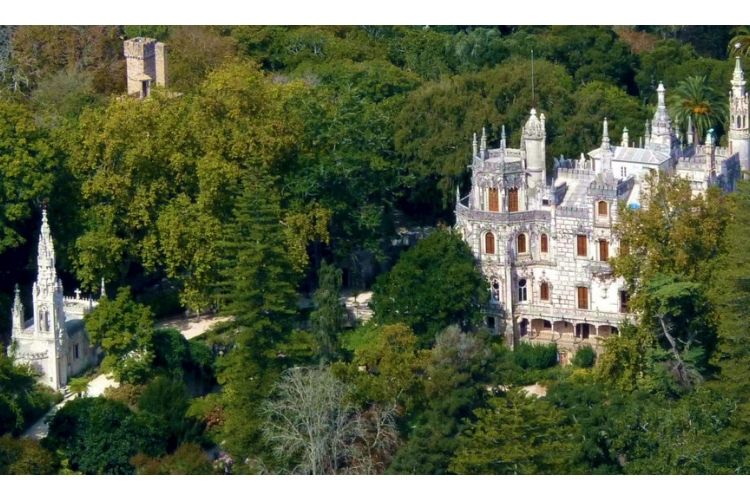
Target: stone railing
(574,173)
(602,191)
(573,212)
(552,313)
(505,217)
(77,307)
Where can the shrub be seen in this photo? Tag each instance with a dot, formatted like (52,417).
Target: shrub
(584,357)
(535,356)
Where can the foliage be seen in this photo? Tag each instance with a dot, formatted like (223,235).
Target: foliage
(25,456)
(21,400)
(168,400)
(433,285)
(79,386)
(517,434)
(99,436)
(315,429)
(125,331)
(328,317)
(193,52)
(694,99)
(535,356)
(27,170)
(189,458)
(585,357)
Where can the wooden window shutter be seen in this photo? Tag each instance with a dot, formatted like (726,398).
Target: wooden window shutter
(544,291)
(513,200)
(583,297)
(494,200)
(521,243)
(544,243)
(582,251)
(602,208)
(489,243)
(603,250)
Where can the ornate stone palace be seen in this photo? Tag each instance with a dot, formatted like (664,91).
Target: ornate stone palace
(544,243)
(53,341)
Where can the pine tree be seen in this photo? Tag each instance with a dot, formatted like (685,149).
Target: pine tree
(731,296)
(258,289)
(327,319)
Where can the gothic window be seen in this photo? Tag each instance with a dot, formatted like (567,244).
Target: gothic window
(624,301)
(489,243)
(544,243)
(603,250)
(544,291)
(581,246)
(602,209)
(738,122)
(495,291)
(583,297)
(522,291)
(521,243)
(513,200)
(494,200)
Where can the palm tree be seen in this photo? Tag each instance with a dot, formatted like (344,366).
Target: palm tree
(694,98)
(739,45)
(79,386)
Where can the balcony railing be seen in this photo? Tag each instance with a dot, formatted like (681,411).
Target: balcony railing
(552,313)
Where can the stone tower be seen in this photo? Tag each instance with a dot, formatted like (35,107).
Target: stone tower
(146,65)
(532,141)
(661,123)
(49,317)
(739,121)
(17,314)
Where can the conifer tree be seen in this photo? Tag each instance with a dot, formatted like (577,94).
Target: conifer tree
(257,288)
(327,319)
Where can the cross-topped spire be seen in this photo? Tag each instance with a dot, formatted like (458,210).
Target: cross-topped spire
(46,254)
(738,79)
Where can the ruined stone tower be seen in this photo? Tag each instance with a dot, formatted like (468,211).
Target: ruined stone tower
(146,65)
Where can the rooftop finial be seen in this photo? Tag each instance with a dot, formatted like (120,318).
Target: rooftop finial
(738,79)
(483,143)
(660,92)
(605,135)
(533,96)
(502,137)
(625,137)
(103,290)
(474,145)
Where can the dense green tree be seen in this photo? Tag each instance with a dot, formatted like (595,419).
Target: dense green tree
(328,317)
(433,285)
(193,52)
(25,456)
(99,436)
(167,400)
(434,127)
(22,400)
(189,458)
(518,434)
(458,371)
(124,329)
(731,295)
(694,99)
(27,170)
(656,66)
(258,290)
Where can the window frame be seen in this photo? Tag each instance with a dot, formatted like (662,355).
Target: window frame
(582,245)
(489,237)
(582,291)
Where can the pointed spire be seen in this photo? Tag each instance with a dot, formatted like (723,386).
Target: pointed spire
(17,312)
(474,145)
(625,137)
(458,195)
(503,143)
(46,254)
(483,143)
(660,92)
(738,79)
(690,130)
(104,290)
(605,134)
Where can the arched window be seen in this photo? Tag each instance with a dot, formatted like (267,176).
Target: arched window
(494,200)
(544,291)
(495,291)
(603,250)
(602,208)
(544,243)
(521,243)
(489,243)
(513,200)
(522,291)
(739,122)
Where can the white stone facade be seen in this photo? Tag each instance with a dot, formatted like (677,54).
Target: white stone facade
(53,341)
(543,245)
